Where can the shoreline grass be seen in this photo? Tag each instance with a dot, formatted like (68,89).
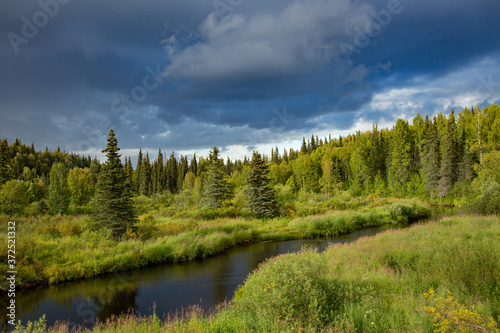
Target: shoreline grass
(396,281)
(60,249)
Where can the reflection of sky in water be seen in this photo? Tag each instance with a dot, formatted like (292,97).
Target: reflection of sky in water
(169,287)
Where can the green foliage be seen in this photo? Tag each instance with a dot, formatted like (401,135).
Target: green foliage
(80,186)
(489,200)
(431,159)
(113,206)
(448,315)
(288,289)
(5,171)
(260,196)
(216,187)
(400,167)
(59,194)
(449,161)
(13,197)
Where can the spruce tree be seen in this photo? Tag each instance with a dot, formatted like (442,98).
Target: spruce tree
(4,162)
(448,163)
(172,174)
(160,173)
(400,167)
(431,158)
(194,166)
(145,180)
(59,194)
(216,187)
(113,207)
(303,148)
(465,172)
(137,174)
(260,196)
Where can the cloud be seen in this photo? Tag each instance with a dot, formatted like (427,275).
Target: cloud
(228,74)
(298,40)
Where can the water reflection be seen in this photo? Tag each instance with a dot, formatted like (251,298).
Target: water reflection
(168,287)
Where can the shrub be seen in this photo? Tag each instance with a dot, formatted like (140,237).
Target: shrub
(37,208)
(289,288)
(489,200)
(450,316)
(147,227)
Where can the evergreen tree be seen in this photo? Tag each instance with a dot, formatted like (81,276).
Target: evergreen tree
(59,194)
(313,143)
(260,196)
(448,163)
(160,173)
(129,170)
(145,180)
(216,187)
(400,167)
(113,206)
(303,148)
(465,172)
(194,166)
(430,158)
(137,174)
(172,174)
(4,162)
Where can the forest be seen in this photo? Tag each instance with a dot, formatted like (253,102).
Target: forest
(78,218)
(451,160)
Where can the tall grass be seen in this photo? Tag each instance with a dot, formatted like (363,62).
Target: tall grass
(56,249)
(376,284)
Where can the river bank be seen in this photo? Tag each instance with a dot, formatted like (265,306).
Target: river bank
(439,275)
(54,250)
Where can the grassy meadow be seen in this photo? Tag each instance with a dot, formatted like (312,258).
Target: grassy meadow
(54,249)
(438,276)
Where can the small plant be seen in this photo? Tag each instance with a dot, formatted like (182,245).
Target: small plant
(450,316)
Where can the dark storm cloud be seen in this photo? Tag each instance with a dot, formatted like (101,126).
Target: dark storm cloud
(242,74)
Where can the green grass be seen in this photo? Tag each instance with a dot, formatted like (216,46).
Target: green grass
(57,249)
(376,284)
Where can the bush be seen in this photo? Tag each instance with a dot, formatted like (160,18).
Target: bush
(209,213)
(289,288)
(489,200)
(147,227)
(37,208)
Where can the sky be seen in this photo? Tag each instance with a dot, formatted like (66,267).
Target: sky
(185,75)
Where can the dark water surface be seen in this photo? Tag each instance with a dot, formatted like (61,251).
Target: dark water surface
(169,287)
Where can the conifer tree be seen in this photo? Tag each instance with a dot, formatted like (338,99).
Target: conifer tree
(399,170)
(216,187)
(172,174)
(113,207)
(313,143)
(129,170)
(145,180)
(303,148)
(276,156)
(465,172)
(431,158)
(137,174)
(448,163)
(193,167)
(260,196)
(59,194)
(4,162)
(160,173)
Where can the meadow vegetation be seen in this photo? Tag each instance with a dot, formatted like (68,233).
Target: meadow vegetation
(53,249)
(440,276)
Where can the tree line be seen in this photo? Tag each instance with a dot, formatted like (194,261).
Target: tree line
(438,158)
